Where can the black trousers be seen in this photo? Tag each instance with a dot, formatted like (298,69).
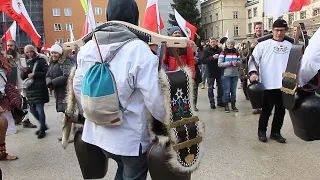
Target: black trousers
(272,98)
(195,93)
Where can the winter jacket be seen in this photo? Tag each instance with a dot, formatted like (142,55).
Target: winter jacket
(212,64)
(57,77)
(185,55)
(37,93)
(225,59)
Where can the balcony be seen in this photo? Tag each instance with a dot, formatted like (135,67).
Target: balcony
(251,2)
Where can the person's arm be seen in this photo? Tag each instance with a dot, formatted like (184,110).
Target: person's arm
(257,54)
(62,80)
(48,77)
(165,59)
(206,57)
(238,59)
(190,61)
(221,61)
(147,82)
(43,68)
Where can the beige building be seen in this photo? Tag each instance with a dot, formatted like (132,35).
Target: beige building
(254,12)
(220,16)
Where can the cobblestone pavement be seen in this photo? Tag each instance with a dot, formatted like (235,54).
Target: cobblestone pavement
(233,151)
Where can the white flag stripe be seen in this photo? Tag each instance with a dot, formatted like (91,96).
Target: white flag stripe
(181,22)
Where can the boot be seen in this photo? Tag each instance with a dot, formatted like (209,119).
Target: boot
(233,106)
(42,133)
(27,124)
(226,107)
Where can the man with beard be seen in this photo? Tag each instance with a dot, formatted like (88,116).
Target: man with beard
(14,61)
(185,54)
(210,58)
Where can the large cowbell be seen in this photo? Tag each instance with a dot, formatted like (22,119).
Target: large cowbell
(303,104)
(256,94)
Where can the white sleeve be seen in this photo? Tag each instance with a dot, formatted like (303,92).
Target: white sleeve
(310,63)
(257,54)
(147,82)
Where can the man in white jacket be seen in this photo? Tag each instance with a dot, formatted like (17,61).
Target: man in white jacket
(135,70)
(271,57)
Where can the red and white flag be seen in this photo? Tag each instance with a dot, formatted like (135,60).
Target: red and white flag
(45,48)
(16,10)
(152,19)
(90,23)
(188,29)
(277,8)
(11,32)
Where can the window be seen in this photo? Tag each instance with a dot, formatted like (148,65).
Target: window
(59,40)
(98,10)
(255,12)
(249,13)
(236,30)
(211,20)
(250,28)
(67,12)
(68,26)
(290,18)
(99,23)
(316,12)
(56,11)
(303,15)
(235,15)
(217,16)
(270,23)
(57,27)
(206,33)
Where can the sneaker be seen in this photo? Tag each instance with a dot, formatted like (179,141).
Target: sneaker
(27,124)
(256,111)
(277,137)
(262,136)
(213,106)
(196,109)
(226,108)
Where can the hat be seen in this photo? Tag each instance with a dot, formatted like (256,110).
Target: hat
(223,40)
(174,29)
(123,10)
(230,40)
(56,48)
(280,23)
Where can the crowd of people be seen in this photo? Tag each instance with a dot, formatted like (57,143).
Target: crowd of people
(34,75)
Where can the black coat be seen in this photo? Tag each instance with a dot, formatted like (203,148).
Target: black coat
(212,64)
(57,77)
(198,78)
(37,93)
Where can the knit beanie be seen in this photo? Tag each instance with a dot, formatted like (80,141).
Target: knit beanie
(56,48)
(174,29)
(280,23)
(123,10)
(230,40)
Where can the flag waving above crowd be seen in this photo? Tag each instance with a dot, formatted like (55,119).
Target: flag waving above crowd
(152,19)
(16,10)
(277,8)
(11,32)
(188,29)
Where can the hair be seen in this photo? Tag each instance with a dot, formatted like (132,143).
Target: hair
(258,23)
(15,44)
(212,39)
(29,46)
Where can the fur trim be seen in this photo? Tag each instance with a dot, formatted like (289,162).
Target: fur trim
(71,100)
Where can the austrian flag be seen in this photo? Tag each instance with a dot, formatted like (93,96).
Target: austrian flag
(16,10)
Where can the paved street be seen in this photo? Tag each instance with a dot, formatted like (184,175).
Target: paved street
(233,151)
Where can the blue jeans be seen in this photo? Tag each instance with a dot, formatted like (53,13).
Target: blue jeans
(130,167)
(37,110)
(229,87)
(204,72)
(211,90)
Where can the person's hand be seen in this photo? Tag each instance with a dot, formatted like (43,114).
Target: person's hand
(215,56)
(234,63)
(24,69)
(198,37)
(30,75)
(254,77)
(254,44)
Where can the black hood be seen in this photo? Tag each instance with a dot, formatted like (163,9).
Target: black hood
(123,10)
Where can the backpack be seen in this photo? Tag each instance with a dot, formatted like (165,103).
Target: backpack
(99,97)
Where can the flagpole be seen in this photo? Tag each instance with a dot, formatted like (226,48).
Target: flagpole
(263,19)
(158,18)
(4,30)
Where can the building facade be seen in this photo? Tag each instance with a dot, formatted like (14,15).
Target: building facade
(35,11)
(62,14)
(254,10)
(222,16)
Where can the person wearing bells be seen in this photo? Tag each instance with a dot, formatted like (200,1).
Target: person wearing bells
(271,57)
